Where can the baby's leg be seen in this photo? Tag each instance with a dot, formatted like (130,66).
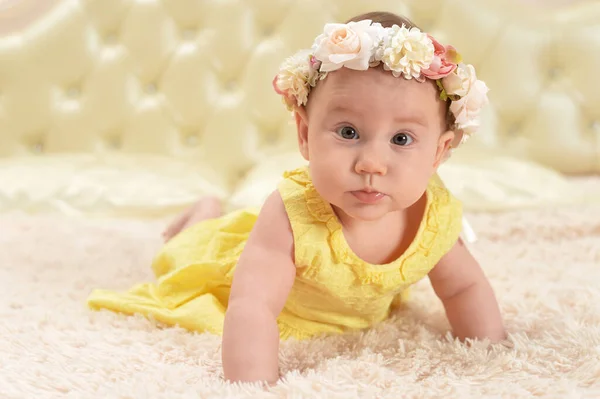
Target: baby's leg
(206,208)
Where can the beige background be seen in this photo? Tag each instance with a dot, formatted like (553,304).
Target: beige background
(17,14)
(140,107)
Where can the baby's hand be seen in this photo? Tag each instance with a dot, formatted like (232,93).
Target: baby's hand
(468,297)
(206,208)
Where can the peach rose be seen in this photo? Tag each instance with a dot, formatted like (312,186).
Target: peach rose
(444,62)
(350,45)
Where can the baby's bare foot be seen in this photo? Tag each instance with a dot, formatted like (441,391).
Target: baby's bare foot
(206,208)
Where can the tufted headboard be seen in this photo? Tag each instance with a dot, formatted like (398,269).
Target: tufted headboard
(190,80)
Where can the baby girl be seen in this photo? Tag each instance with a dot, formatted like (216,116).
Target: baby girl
(378,106)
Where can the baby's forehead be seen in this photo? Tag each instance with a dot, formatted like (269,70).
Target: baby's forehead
(375,86)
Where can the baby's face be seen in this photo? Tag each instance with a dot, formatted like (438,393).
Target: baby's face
(373,141)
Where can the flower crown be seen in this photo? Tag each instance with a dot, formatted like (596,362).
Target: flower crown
(405,52)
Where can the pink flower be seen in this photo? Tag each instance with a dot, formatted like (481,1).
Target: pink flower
(314,63)
(444,61)
(276,87)
(286,98)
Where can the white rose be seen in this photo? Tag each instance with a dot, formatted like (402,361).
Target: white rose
(466,110)
(350,45)
(378,44)
(458,82)
(407,52)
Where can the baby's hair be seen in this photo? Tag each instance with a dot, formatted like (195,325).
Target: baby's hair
(387,20)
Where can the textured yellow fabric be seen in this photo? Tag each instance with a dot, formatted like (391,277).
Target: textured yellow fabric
(334,290)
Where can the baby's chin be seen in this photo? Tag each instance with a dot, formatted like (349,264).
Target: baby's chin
(366,212)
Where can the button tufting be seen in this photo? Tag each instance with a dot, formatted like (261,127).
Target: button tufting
(513,129)
(189,34)
(554,72)
(37,147)
(73,92)
(150,88)
(268,31)
(192,140)
(114,142)
(110,38)
(230,85)
(272,136)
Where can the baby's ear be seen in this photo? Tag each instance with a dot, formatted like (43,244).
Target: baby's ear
(443,148)
(301,117)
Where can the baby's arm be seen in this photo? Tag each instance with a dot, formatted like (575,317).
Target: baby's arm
(262,281)
(467,296)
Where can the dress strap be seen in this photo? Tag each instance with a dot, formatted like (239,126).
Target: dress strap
(468,233)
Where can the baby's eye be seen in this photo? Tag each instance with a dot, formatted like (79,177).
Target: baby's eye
(402,139)
(348,133)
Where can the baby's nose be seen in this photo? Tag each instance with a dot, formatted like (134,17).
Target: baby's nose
(371,165)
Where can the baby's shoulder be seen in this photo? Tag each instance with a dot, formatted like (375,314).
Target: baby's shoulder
(443,218)
(300,198)
(441,197)
(272,228)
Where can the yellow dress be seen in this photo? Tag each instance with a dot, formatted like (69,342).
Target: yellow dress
(335,291)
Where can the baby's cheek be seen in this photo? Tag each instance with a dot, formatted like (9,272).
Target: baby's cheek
(412,180)
(330,157)
(327,178)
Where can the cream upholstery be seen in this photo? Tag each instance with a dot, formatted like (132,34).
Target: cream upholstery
(117,106)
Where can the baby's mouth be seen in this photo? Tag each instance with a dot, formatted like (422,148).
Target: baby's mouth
(368,196)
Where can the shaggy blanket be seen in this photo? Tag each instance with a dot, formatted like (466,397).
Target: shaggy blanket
(544,266)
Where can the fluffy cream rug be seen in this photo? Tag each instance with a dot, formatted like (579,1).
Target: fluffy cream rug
(544,265)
